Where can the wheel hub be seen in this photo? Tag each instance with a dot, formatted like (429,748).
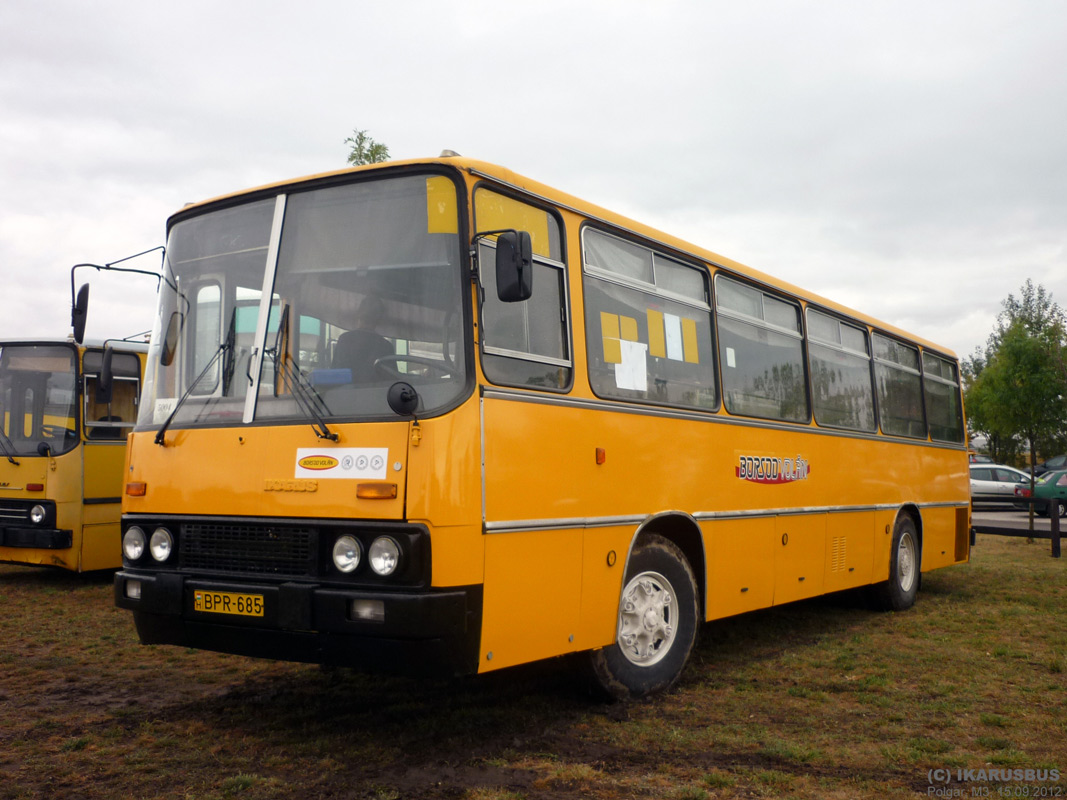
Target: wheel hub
(646,628)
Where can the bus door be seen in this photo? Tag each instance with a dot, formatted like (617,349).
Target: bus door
(106,423)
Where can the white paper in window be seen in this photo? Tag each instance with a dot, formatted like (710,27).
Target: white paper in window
(632,373)
(673,327)
(731,357)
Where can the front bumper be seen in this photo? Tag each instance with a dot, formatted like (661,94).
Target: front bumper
(40,538)
(418,632)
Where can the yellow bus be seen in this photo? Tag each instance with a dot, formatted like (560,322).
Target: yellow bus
(434,416)
(63,449)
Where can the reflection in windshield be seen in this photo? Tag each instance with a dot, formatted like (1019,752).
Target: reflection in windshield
(37,399)
(367,279)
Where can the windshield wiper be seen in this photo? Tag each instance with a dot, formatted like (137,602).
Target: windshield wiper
(8,447)
(227,347)
(307,399)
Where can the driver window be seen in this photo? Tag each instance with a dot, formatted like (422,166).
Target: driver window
(527,343)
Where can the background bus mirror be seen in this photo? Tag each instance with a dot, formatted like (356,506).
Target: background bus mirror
(79,312)
(104,381)
(170,340)
(514,266)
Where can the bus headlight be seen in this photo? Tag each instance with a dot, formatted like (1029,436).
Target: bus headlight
(133,542)
(346,553)
(384,555)
(161,544)
(37,514)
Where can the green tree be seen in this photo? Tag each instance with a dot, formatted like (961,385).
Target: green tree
(364,150)
(1017,389)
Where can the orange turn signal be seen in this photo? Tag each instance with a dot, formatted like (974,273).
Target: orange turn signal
(601,455)
(136,489)
(376,491)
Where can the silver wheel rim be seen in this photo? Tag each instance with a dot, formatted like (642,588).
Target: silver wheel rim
(906,561)
(647,623)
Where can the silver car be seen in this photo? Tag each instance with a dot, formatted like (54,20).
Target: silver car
(996,483)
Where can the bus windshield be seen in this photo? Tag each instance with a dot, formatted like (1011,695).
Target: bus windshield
(38,396)
(310,306)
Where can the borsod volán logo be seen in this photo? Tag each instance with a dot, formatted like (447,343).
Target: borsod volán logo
(772,469)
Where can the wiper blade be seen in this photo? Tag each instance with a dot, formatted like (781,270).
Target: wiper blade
(161,433)
(8,447)
(227,347)
(307,399)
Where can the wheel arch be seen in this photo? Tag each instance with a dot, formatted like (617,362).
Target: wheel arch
(684,531)
(912,510)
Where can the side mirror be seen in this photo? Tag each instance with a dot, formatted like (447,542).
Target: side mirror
(514,266)
(79,313)
(170,340)
(104,382)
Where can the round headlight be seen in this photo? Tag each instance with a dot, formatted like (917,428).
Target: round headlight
(37,514)
(161,544)
(133,543)
(346,553)
(384,555)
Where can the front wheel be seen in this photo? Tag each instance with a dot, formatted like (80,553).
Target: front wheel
(657,623)
(898,593)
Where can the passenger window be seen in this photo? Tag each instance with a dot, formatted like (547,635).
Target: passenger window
(647,323)
(900,400)
(942,392)
(762,354)
(840,363)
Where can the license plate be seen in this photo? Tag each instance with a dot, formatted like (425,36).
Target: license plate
(245,605)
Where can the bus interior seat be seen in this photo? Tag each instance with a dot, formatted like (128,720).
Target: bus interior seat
(357,351)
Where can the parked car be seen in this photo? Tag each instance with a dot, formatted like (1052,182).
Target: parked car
(1057,462)
(979,458)
(996,483)
(1052,487)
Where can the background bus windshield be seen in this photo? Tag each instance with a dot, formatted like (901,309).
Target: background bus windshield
(37,399)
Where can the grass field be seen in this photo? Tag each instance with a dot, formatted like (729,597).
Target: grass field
(820,699)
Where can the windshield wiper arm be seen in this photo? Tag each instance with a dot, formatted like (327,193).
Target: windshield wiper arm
(307,399)
(161,433)
(8,447)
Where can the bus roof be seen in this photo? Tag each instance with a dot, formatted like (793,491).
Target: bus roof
(555,196)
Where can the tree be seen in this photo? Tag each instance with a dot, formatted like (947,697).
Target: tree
(364,150)
(1018,388)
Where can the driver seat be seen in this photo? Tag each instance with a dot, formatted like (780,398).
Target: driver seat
(357,351)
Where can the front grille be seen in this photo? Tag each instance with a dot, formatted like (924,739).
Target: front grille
(248,549)
(14,511)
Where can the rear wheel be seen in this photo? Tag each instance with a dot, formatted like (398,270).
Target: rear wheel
(657,623)
(1057,507)
(898,593)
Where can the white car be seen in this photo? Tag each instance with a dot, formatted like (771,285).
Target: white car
(996,483)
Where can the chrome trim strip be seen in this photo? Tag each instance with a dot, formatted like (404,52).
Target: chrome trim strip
(526,525)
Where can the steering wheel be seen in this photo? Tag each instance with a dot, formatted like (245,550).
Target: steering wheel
(387,366)
(57,431)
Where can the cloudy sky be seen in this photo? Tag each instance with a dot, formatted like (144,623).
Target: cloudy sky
(906,158)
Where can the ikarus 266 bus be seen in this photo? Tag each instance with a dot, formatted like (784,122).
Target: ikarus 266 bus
(433,416)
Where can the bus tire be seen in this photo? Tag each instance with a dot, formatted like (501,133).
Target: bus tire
(657,624)
(898,593)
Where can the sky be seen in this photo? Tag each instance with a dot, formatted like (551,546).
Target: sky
(907,159)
